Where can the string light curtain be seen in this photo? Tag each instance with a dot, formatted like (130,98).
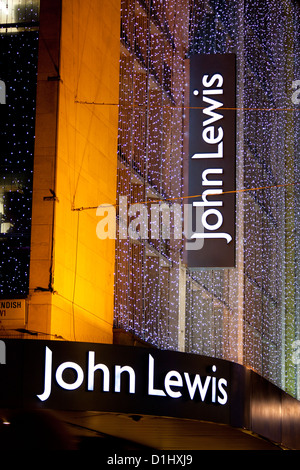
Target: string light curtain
(156,37)
(265,37)
(18,69)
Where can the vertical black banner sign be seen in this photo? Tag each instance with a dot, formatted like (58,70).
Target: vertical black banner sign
(212,149)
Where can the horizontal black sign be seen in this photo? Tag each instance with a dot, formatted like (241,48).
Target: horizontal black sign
(212,148)
(95,377)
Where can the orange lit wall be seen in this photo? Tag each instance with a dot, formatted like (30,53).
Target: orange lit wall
(72,271)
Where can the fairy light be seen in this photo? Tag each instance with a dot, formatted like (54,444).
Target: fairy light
(156,37)
(18,71)
(150,154)
(150,142)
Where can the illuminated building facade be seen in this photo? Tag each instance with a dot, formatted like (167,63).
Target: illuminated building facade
(96,121)
(149,287)
(249,314)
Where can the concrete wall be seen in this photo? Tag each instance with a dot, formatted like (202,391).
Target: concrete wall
(72,271)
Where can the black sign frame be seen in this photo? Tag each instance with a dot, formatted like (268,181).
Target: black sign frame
(212,161)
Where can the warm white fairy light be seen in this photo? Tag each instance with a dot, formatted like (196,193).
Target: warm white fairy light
(154,44)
